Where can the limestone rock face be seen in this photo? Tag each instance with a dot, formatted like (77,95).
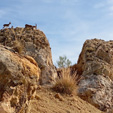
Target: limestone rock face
(97,90)
(34,43)
(97,58)
(96,64)
(19,77)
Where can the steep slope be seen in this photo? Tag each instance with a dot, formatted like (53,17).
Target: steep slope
(19,90)
(51,102)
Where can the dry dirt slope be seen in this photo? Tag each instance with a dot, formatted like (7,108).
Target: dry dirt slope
(51,102)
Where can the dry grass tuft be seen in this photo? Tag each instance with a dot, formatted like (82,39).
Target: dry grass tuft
(17,46)
(66,84)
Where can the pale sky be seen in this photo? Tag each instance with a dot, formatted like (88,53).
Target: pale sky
(66,23)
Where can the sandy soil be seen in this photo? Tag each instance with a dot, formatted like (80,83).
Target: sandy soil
(48,101)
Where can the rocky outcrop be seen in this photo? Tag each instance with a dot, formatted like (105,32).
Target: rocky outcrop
(34,43)
(19,77)
(97,58)
(96,65)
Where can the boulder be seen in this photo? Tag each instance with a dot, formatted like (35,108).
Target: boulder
(96,65)
(97,90)
(96,58)
(19,76)
(34,43)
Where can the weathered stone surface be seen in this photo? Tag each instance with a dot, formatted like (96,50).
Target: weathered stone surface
(96,65)
(34,43)
(19,77)
(96,58)
(98,91)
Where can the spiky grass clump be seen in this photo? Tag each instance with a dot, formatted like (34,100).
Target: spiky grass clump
(66,84)
(17,46)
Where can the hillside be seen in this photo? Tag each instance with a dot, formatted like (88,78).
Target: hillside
(26,71)
(51,102)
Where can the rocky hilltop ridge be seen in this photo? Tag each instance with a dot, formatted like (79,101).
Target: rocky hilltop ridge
(27,74)
(32,42)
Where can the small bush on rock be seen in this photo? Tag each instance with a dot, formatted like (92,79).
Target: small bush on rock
(63,62)
(17,46)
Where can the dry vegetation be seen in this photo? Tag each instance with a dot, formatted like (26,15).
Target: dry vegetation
(17,46)
(66,84)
